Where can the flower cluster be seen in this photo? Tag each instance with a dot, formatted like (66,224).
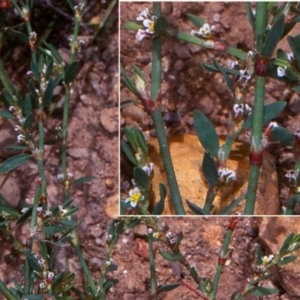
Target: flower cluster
(226,176)
(205,31)
(241,111)
(148,21)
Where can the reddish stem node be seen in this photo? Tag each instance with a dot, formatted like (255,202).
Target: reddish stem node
(256,158)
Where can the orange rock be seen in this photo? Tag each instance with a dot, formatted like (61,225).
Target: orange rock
(187,154)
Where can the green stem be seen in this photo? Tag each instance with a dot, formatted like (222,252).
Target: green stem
(256,143)
(88,275)
(258,111)
(210,196)
(6,292)
(65,132)
(168,165)
(152,267)
(260,24)
(156,59)
(222,257)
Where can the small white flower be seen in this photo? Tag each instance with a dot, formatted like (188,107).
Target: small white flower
(204,31)
(144,14)
(149,230)
(290,56)
(148,168)
(281,71)
(267,259)
(41,262)
(21,138)
(134,197)
(60,177)
(12,108)
(22,120)
(245,76)
(24,210)
(17,128)
(141,34)
(148,21)
(109,237)
(48,213)
(39,209)
(169,235)
(226,175)
(241,110)
(42,285)
(50,276)
(292,175)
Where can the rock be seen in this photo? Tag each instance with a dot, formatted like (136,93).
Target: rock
(10,191)
(79,152)
(109,118)
(272,233)
(187,156)
(112,206)
(134,112)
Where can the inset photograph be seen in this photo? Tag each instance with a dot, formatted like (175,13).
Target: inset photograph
(209,108)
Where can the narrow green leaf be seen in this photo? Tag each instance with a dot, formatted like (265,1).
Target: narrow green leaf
(33,262)
(139,72)
(198,22)
(210,170)
(134,222)
(196,209)
(271,111)
(35,71)
(129,83)
(54,52)
(206,133)
(109,283)
(294,44)
(141,141)
(228,80)
(161,25)
(127,150)
(9,97)
(34,297)
(71,72)
(273,37)
(82,180)
(131,26)
(171,256)
(296,88)
(213,68)
(159,207)
(53,229)
(287,260)
(49,69)
(228,209)
(6,114)
(283,136)
(167,287)
(129,133)
(250,14)
(260,291)
(25,216)
(112,268)
(11,211)
(27,111)
(48,94)
(141,178)
(14,162)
